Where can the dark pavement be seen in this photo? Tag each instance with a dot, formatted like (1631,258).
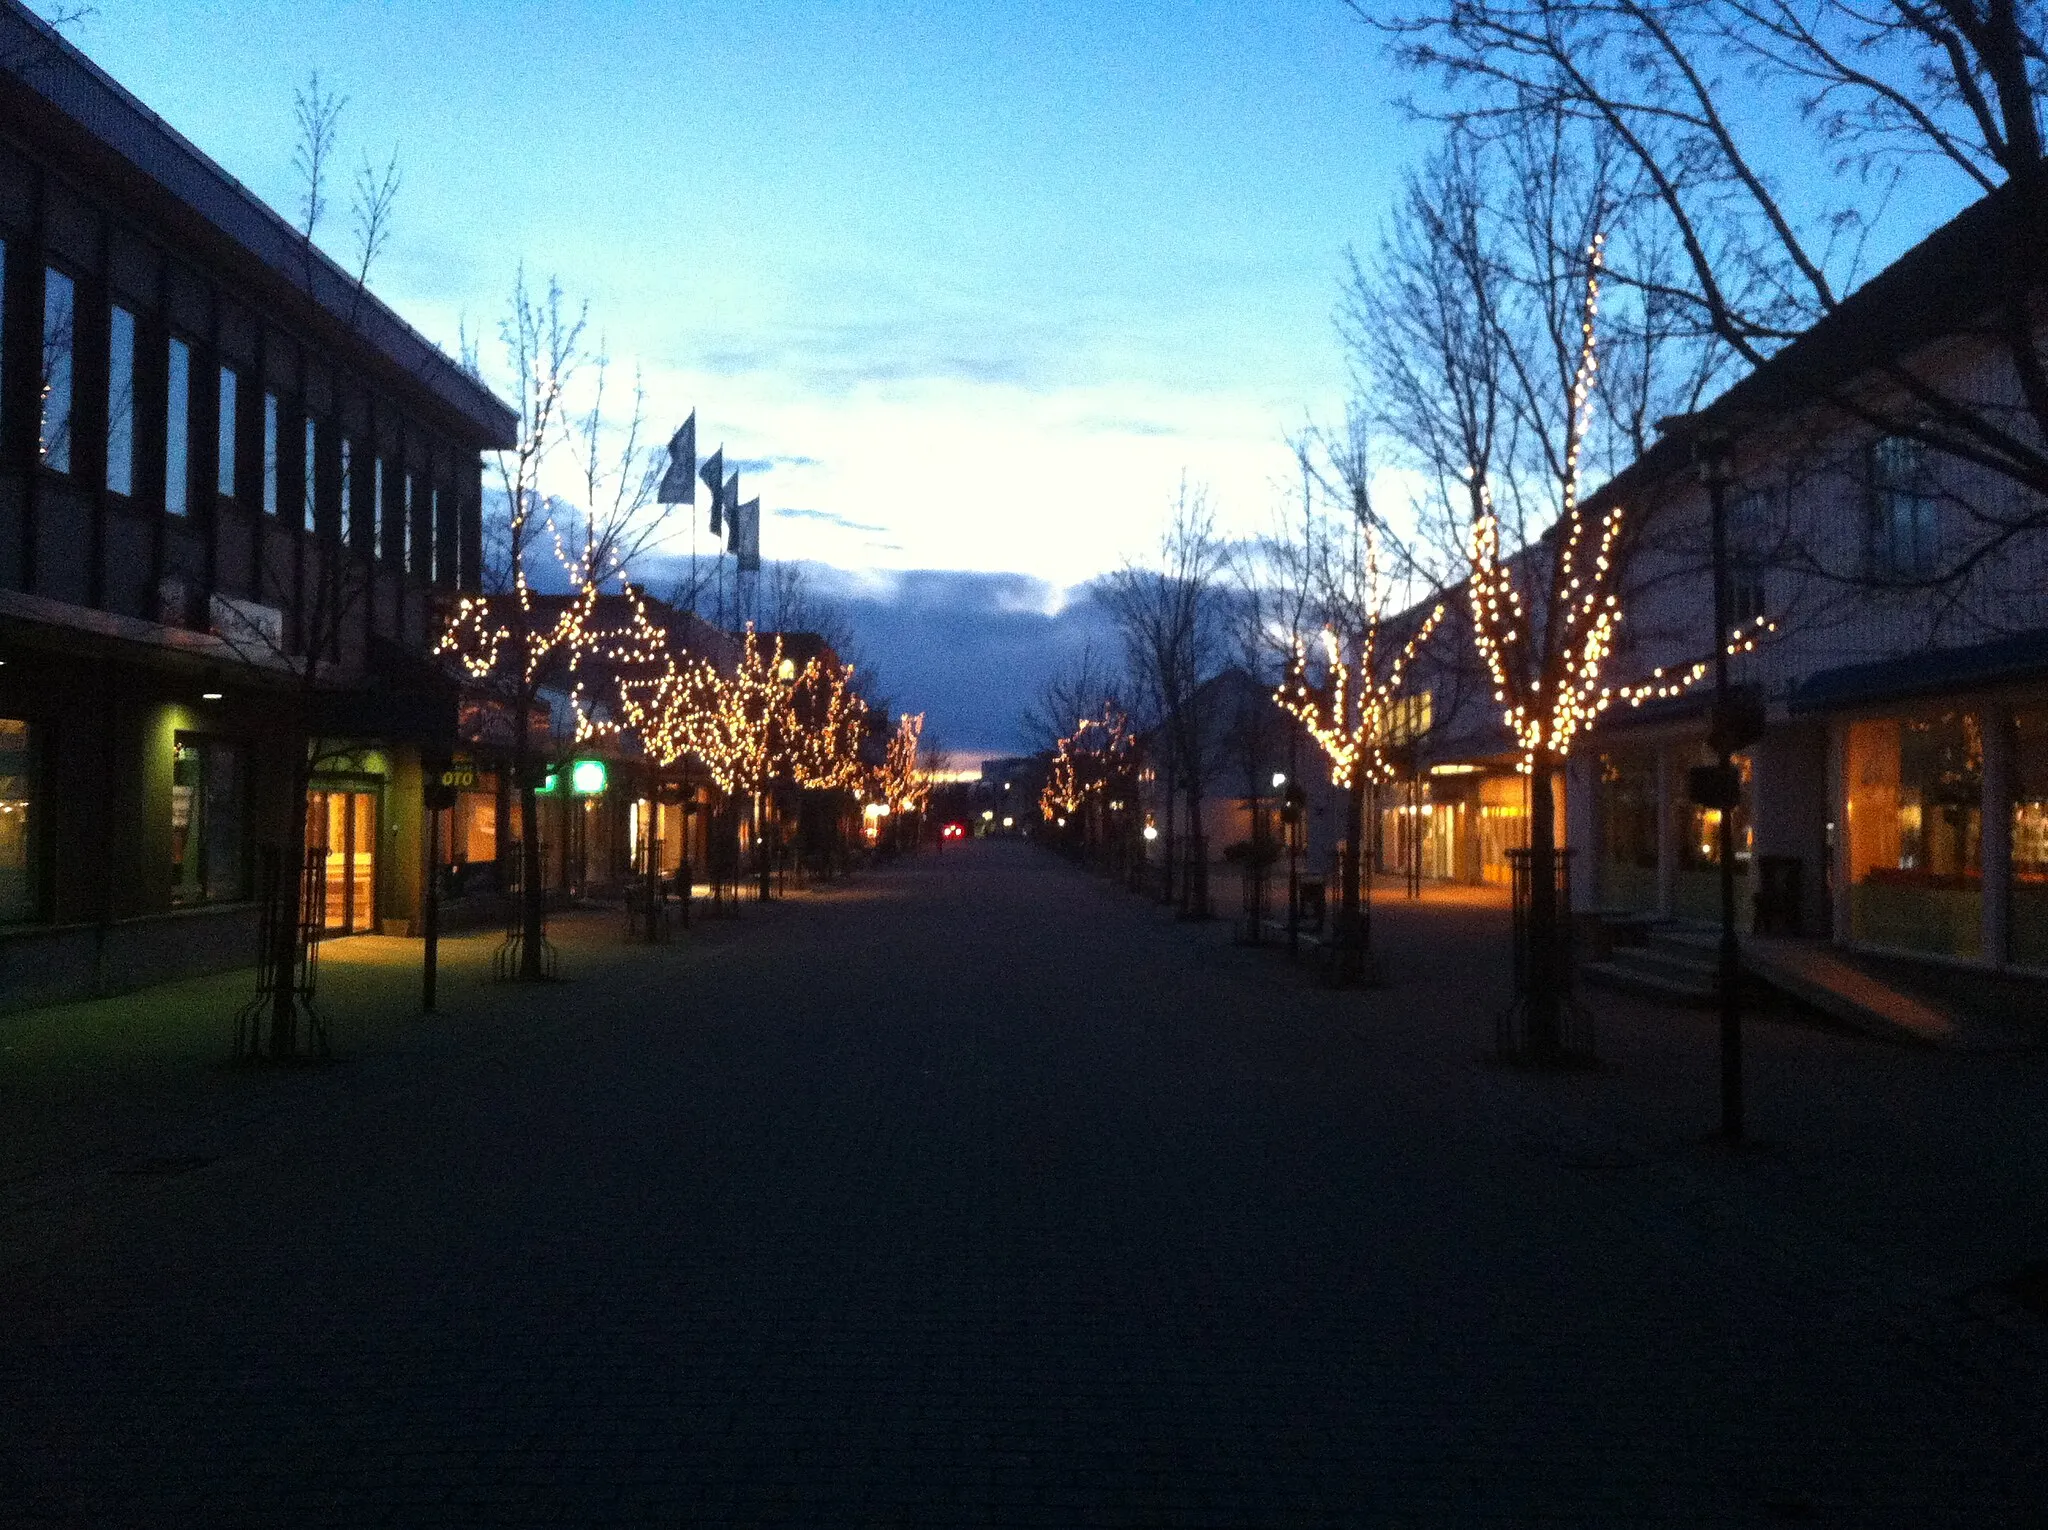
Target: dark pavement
(976,1192)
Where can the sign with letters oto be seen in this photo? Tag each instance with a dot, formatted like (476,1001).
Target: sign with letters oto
(441,779)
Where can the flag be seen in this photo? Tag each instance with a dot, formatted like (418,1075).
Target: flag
(714,477)
(732,513)
(750,536)
(679,483)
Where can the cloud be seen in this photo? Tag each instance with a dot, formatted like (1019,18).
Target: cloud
(827,517)
(852,329)
(970,650)
(769,464)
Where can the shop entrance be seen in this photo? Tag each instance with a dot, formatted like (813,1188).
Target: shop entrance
(344,824)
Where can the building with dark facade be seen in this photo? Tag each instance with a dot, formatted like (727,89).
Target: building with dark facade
(233,487)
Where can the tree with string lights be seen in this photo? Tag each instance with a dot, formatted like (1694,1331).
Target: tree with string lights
(1355,714)
(516,642)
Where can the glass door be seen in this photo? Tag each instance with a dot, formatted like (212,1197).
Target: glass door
(344,824)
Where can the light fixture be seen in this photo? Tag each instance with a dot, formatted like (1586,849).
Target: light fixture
(209,695)
(1151,832)
(1279,778)
(588,778)
(1453,770)
(1009,823)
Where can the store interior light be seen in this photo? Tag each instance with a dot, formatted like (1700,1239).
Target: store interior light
(1453,770)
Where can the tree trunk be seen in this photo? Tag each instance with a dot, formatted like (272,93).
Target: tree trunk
(1349,965)
(532,896)
(1195,883)
(1167,878)
(1544,997)
(284,953)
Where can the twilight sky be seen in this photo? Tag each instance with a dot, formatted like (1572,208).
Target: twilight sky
(979,282)
(969,286)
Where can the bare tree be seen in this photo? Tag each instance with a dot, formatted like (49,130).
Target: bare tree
(1491,378)
(1172,624)
(506,639)
(1940,97)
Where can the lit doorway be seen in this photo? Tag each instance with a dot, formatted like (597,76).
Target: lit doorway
(344,824)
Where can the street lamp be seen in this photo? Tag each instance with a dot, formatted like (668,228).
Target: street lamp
(1719,787)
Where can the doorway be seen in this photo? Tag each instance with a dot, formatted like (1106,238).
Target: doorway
(344,824)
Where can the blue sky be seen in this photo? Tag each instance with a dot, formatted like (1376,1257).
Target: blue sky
(976,284)
(971,286)
(994,275)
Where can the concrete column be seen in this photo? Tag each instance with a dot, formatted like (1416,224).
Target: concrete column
(1838,815)
(1582,827)
(1995,846)
(1788,804)
(1671,807)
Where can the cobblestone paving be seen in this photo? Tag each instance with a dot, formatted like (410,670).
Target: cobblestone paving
(977,1193)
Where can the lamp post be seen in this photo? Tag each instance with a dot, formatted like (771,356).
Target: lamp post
(1710,453)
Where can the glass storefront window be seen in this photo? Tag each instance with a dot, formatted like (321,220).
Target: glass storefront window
(2029,943)
(18,899)
(1915,799)
(1698,893)
(1628,831)
(469,830)
(207,860)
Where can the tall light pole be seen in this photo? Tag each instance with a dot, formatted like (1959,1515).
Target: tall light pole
(1724,790)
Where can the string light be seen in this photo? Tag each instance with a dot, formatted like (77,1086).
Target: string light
(1354,717)
(1548,699)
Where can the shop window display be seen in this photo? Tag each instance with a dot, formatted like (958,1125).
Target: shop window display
(207,857)
(1915,800)
(1628,831)
(17,822)
(2029,944)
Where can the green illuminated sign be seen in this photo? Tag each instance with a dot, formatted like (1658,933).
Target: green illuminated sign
(587,778)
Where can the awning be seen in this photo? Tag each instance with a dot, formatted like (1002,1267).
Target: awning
(2008,661)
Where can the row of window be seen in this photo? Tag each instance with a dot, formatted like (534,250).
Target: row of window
(1902,539)
(372,500)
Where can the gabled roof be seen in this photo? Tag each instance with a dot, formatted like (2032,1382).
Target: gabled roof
(39,61)
(1943,286)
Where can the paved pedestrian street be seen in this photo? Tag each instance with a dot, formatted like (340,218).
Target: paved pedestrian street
(976,1191)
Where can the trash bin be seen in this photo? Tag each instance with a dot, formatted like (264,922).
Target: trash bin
(1308,902)
(1779,907)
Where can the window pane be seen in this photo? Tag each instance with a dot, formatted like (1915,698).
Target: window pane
(1915,811)
(121,402)
(377,506)
(57,336)
(17,840)
(434,535)
(2029,946)
(348,489)
(406,513)
(226,468)
(270,454)
(177,430)
(206,821)
(312,459)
